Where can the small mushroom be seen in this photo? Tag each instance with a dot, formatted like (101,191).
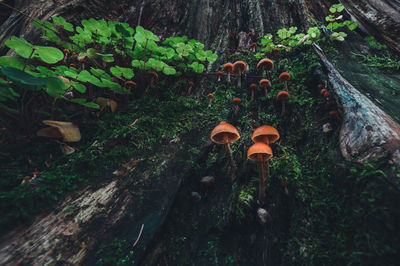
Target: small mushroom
(266,84)
(253,47)
(267,135)
(219,75)
(103,102)
(323,91)
(260,153)
(267,64)
(239,67)
(320,86)
(225,133)
(327,95)
(68,131)
(334,115)
(284,77)
(283,96)
(228,69)
(236,102)
(327,128)
(211,97)
(252,88)
(191,85)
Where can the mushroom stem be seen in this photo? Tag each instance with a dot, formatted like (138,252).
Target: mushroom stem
(261,173)
(252,96)
(268,74)
(239,80)
(286,88)
(236,110)
(189,90)
(229,77)
(266,171)
(209,104)
(219,78)
(283,108)
(266,91)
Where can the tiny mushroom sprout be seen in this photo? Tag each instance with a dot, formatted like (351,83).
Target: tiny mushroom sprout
(211,97)
(268,135)
(266,84)
(219,75)
(327,95)
(283,96)
(68,131)
(103,102)
(225,133)
(252,88)
(267,64)
(228,69)
(239,67)
(323,91)
(191,85)
(253,47)
(284,77)
(236,102)
(260,153)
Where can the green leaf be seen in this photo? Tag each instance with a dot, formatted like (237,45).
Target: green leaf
(83,102)
(122,71)
(55,87)
(79,87)
(92,53)
(49,55)
(63,23)
(108,58)
(20,46)
(22,77)
(11,61)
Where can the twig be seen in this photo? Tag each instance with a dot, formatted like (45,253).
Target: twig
(140,234)
(134,122)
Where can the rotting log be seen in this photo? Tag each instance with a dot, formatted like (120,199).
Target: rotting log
(366,132)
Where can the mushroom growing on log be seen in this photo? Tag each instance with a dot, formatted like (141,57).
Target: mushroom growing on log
(366,129)
(267,64)
(236,102)
(225,133)
(228,69)
(252,88)
(283,96)
(239,67)
(266,84)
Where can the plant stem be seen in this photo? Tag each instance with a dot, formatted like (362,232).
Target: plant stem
(26,60)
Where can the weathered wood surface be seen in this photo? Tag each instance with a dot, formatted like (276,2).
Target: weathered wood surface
(380,18)
(366,130)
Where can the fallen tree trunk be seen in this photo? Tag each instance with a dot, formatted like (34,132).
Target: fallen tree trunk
(366,130)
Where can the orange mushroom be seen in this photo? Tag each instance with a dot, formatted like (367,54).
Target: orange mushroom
(327,95)
(219,75)
(228,69)
(252,88)
(191,85)
(320,86)
(253,47)
(323,91)
(260,153)
(268,135)
(267,64)
(236,102)
(334,115)
(266,84)
(284,77)
(238,68)
(211,97)
(225,133)
(283,96)
(66,51)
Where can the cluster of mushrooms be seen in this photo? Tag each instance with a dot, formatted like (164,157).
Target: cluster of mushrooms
(260,152)
(239,67)
(330,103)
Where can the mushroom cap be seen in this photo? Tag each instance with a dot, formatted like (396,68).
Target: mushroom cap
(253,45)
(323,91)
(224,129)
(130,83)
(219,73)
(236,101)
(262,132)
(103,102)
(210,95)
(259,148)
(333,114)
(265,83)
(266,63)
(320,86)
(239,67)
(191,83)
(228,68)
(284,76)
(253,86)
(282,96)
(153,75)
(327,94)
(68,131)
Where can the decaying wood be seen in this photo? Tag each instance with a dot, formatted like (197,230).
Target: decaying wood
(366,130)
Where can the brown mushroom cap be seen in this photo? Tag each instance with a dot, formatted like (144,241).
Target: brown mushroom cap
(211,96)
(323,91)
(282,96)
(266,63)
(224,129)
(263,132)
(66,130)
(219,73)
(265,83)
(103,102)
(253,86)
(259,148)
(236,101)
(191,83)
(228,68)
(239,67)
(284,76)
